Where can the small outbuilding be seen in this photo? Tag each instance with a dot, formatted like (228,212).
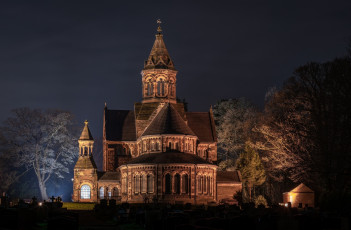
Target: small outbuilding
(300,197)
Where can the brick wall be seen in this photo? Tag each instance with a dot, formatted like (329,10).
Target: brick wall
(227,190)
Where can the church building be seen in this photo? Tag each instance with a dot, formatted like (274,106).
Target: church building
(156,152)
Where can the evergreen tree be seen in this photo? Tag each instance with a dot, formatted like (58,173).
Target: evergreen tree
(251,168)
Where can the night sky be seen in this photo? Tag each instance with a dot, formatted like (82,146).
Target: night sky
(76,55)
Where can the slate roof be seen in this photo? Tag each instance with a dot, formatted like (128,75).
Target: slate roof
(85,162)
(168,158)
(120,125)
(168,121)
(202,125)
(228,177)
(107,176)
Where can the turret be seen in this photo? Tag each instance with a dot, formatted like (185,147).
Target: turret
(85,170)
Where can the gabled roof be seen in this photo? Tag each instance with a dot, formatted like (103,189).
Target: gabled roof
(228,177)
(85,162)
(120,125)
(302,188)
(202,125)
(168,121)
(168,158)
(159,57)
(86,135)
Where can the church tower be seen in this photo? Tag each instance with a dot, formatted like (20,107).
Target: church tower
(159,75)
(85,170)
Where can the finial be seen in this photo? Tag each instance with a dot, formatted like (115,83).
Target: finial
(86,122)
(159,30)
(105,104)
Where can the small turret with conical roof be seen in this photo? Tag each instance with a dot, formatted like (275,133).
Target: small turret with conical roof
(159,75)
(85,170)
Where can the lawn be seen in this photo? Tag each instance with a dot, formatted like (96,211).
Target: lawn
(78,206)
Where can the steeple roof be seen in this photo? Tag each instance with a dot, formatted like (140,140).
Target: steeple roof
(168,121)
(86,135)
(159,57)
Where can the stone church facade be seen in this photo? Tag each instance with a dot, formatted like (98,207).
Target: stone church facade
(156,152)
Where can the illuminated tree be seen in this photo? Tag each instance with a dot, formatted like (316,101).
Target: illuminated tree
(233,122)
(305,131)
(251,169)
(41,141)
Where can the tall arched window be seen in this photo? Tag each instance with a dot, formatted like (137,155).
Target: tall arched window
(101,193)
(199,184)
(85,192)
(161,87)
(177,184)
(157,146)
(115,193)
(150,88)
(185,183)
(205,184)
(124,185)
(136,184)
(150,183)
(143,183)
(168,184)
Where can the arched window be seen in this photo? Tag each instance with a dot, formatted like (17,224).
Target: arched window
(176,146)
(150,89)
(157,146)
(137,184)
(205,184)
(199,184)
(124,185)
(109,193)
(185,183)
(115,193)
(150,183)
(101,193)
(177,184)
(161,87)
(85,192)
(143,183)
(168,184)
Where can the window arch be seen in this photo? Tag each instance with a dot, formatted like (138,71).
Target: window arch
(101,193)
(168,184)
(85,192)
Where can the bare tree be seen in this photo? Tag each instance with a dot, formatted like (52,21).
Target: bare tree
(41,141)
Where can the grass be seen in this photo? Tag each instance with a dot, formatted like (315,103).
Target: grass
(78,206)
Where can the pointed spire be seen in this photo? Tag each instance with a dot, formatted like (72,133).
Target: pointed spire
(86,135)
(159,57)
